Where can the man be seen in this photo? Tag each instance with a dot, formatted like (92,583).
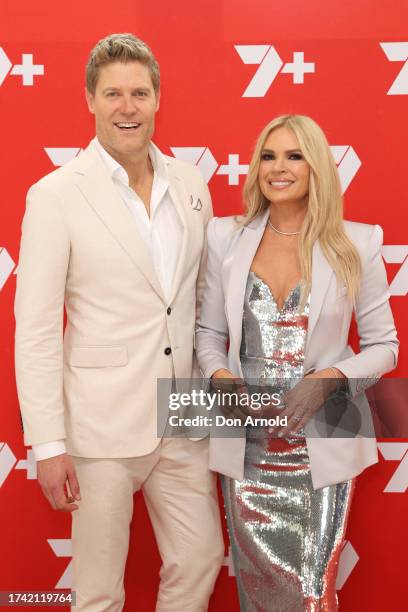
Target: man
(117,236)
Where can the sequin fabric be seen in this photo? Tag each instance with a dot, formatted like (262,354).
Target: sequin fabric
(286,537)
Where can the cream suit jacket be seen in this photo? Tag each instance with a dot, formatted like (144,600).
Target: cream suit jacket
(95,385)
(231,250)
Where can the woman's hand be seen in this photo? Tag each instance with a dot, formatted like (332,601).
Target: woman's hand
(307,397)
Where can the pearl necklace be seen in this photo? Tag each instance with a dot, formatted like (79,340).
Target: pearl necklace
(283,233)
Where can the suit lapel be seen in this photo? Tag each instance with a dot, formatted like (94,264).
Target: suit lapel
(98,189)
(321,276)
(179,197)
(240,264)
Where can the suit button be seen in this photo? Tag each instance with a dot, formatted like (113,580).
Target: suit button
(167,350)
(169,310)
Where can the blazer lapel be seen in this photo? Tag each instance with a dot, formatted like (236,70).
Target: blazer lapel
(240,264)
(179,197)
(237,268)
(321,276)
(98,189)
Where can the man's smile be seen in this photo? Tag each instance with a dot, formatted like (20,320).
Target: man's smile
(127,125)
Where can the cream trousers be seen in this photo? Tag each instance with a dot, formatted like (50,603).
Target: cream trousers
(181,498)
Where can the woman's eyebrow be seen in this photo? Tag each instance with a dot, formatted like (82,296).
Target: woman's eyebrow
(288,151)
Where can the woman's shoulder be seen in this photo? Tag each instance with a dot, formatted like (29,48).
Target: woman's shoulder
(222,233)
(361,232)
(223,228)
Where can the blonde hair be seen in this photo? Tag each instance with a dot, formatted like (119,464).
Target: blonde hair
(120,48)
(324,217)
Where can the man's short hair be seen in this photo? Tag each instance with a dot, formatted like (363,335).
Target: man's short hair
(120,48)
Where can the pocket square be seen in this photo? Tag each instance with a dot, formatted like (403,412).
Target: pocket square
(195,205)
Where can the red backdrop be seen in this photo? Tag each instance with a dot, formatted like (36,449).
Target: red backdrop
(228,67)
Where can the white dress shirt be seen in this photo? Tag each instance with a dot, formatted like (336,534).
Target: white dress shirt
(162,233)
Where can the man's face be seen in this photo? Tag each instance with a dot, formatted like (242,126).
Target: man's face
(124,105)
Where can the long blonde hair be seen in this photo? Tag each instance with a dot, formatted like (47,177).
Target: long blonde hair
(324,217)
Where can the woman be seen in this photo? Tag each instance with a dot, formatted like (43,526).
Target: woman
(282,285)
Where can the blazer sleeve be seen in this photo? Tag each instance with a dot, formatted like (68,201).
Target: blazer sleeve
(39,310)
(212,327)
(378,337)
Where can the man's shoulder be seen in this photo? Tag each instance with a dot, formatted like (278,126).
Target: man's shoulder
(62,177)
(183,169)
(56,179)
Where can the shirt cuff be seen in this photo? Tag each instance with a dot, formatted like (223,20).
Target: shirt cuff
(46,450)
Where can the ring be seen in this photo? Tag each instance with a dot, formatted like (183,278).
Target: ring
(296,418)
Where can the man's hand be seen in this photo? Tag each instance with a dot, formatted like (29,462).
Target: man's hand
(224,382)
(59,483)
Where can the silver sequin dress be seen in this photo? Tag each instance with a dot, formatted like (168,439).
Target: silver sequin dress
(285,536)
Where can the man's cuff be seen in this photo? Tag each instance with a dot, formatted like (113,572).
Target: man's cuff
(46,450)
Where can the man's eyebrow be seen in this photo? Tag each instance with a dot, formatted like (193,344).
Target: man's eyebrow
(113,88)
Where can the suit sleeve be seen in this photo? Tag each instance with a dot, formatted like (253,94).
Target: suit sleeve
(378,337)
(39,310)
(212,326)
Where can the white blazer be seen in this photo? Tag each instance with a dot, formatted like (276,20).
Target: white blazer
(96,385)
(231,249)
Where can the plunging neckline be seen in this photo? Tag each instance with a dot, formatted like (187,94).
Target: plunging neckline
(280,310)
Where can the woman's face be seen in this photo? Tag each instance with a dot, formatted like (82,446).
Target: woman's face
(283,171)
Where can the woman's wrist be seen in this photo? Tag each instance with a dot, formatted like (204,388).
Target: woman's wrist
(337,377)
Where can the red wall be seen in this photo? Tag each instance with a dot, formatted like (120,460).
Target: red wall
(203,82)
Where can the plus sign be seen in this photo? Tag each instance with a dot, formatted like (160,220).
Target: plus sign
(27,69)
(298,68)
(28,464)
(233,169)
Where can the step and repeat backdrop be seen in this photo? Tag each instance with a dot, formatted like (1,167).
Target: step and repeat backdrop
(228,67)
